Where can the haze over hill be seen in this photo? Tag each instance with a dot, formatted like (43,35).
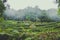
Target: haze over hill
(32,12)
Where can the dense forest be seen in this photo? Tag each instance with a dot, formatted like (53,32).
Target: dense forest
(29,23)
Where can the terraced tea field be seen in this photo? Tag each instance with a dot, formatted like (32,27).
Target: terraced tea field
(27,30)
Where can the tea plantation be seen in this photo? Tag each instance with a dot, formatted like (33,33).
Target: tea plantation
(27,30)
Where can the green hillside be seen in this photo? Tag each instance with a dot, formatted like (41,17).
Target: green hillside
(27,30)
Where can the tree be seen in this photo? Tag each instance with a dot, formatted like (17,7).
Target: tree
(2,8)
(30,16)
(58,1)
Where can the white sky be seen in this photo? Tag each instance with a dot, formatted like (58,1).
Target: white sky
(21,4)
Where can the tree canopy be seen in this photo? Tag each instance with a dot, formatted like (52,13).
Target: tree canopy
(2,8)
(58,1)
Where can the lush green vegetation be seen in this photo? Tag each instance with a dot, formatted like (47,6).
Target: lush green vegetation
(2,8)
(58,1)
(27,30)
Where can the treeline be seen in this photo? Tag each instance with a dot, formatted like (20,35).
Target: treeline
(31,14)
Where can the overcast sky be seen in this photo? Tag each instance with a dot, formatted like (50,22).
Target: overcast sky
(21,4)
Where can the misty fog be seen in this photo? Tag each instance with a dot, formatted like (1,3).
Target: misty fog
(31,12)
(36,11)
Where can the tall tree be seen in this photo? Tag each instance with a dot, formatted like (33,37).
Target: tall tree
(2,8)
(58,1)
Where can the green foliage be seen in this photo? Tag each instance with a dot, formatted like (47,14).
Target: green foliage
(2,8)
(35,31)
(30,16)
(58,1)
(1,19)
